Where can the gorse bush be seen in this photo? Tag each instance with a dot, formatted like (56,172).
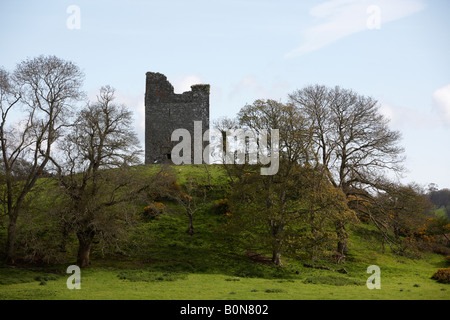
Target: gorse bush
(442,275)
(222,206)
(154,210)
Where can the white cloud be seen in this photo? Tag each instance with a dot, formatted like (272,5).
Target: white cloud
(402,117)
(441,99)
(341,18)
(387,111)
(184,83)
(250,86)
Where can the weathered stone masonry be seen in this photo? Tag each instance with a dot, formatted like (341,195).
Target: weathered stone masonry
(166,111)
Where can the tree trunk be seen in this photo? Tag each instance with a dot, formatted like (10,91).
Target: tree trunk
(276,257)
(277,230)
(11,238)
(342,247)
(342,236)
(190,229)
(84,248)
(63,243)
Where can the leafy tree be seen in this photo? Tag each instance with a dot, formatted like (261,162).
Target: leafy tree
(403,209)
(279,212)
(276,207)
(438,227)
(353,142)
(294,133)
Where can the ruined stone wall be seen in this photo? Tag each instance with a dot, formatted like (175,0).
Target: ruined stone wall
(166,111)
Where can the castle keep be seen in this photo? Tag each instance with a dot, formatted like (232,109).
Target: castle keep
(166,111)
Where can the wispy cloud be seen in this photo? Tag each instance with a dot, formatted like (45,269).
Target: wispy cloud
(404,118)
(252,87)
(341,18)
(441,99)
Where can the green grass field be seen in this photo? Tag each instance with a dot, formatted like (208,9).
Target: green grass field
(169,264)
(403,282)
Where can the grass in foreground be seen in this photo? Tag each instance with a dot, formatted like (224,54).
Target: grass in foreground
(107,284)
(401,279)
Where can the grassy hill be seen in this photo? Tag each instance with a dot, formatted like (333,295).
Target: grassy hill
(163,262)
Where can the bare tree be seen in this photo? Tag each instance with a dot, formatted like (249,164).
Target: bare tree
(45,88)
(353,142)
(101,138)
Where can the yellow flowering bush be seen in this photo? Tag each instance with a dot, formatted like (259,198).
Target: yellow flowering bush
(442,275)
(154,210)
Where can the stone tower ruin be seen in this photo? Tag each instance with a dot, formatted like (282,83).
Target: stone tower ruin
(166,111)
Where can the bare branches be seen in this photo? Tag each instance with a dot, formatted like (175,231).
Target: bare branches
(45,88)
(100,138)
(353,142)
(352,138)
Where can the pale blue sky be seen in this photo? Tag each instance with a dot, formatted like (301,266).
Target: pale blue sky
(252,49)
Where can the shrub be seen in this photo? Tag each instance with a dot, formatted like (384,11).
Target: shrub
(154,210)
(442,275)
(222,206)
(441,250)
